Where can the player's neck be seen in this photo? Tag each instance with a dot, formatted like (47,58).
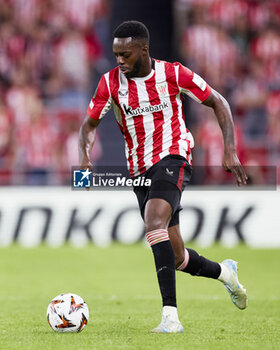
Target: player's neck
(146,68)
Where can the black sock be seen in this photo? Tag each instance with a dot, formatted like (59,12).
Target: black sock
(200,266)
(165,266)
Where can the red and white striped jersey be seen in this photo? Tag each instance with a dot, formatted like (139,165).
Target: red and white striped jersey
(149,111)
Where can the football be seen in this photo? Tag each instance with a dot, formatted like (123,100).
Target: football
(67,312)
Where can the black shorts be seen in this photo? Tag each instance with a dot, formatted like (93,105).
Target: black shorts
(168,179)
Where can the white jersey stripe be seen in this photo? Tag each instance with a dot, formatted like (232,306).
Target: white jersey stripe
(124,100)
(177,74)
(109,102)
(106,76)
(191,95)
(185,137)
(161,85)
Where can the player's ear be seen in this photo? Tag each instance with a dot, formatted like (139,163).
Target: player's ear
(145,50)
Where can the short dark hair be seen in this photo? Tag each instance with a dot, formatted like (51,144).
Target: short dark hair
(134,29)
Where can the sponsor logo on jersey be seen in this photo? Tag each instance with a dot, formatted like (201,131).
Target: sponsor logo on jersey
(144,110)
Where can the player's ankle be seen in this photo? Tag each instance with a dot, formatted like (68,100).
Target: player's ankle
(225,274)
(170,311)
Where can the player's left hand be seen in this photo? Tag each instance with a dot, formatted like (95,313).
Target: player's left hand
(232,164)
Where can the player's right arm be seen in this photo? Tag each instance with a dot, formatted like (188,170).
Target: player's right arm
(86,140)
(99,105)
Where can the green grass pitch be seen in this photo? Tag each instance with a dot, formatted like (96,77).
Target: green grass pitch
(119,284)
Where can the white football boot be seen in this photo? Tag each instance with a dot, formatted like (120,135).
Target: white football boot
(169,322)
(230,280)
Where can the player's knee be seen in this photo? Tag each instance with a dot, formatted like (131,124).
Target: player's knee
(155,219)
(154,223)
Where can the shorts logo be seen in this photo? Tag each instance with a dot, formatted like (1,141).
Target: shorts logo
(81,178)
(91,104)
(169,172)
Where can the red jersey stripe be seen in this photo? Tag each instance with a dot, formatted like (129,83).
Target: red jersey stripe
(173,91)
(114,84)
(181,176)
(133,101)
(99,100)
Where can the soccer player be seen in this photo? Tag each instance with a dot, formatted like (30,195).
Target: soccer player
(145,94)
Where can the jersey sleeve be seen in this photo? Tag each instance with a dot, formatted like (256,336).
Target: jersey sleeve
(192,84)
(101,101)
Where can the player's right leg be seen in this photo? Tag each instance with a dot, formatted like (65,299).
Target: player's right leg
(157,216)
(189,261)
(157,203)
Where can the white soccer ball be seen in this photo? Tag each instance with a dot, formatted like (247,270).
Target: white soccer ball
(67,312)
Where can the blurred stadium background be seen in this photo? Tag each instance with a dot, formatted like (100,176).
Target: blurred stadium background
(52,54)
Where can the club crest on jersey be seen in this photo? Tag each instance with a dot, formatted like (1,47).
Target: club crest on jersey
(144,110)
(162,88)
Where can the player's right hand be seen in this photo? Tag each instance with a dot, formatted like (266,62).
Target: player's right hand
(86,164)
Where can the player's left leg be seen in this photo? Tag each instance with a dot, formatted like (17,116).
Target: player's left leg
(189,261)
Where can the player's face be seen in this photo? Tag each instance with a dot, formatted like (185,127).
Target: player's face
(130,56)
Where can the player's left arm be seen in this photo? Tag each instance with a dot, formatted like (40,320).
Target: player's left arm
(223,114)
(195,87)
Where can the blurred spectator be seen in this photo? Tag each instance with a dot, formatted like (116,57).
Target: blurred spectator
(48,53)
(83,13)
(249,101)
(266,47)
(209,50)
(273,108)
(68,139)
(6,143)
(210,139)
(36,151)
(235,46)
